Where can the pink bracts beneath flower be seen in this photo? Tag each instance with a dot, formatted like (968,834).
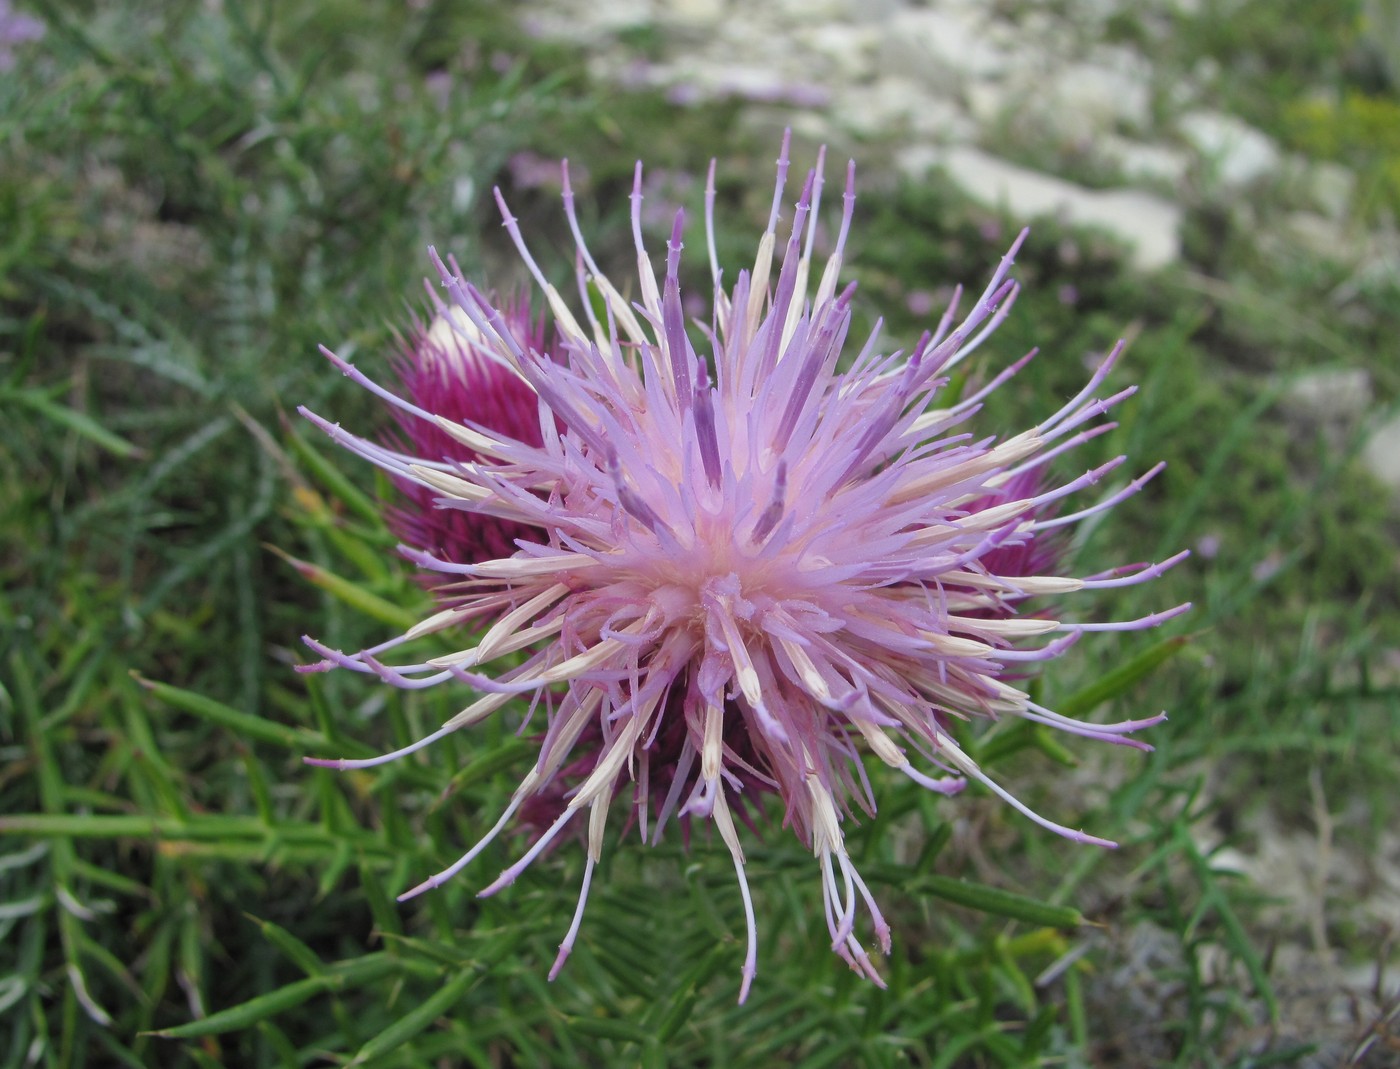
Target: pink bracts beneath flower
(443,369)
(752,566)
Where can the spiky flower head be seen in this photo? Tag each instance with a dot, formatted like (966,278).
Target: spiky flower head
(750,566)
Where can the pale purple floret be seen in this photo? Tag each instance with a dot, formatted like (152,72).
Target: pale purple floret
(16,28)
(751,568)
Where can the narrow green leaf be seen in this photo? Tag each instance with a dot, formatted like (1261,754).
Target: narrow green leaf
(1048,742)
(192,958)
(352,594)
(832,1051)
(240,723)
(22,858)
(251,1012)
(1009,737)
(280,1045)
(608,1028)
(426,948)
(1078,1016)
(940,837)
(83,425)
(1014,975)
(508,753)
(682,1001)
(155,969)
(148,760)
(113,881)
(1039,1031)
(387,920)
(22,907)
(986,899)
(598,301)
(370,552)
(12,989)
(331,477)
(1121,678)
(215,828)
(258,789)
(118,1054)
(341,860)
(417,1019)
(952,1050)
(1236,937)
(344,975)
(297,952)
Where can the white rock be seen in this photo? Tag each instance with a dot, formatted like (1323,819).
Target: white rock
(1333,395)
(1042,38)
(1381,456)
(1096,12)
(989,101)
(848,49)
(690,13)
(1084,99)
(1148,225)
(809,127)
(941,49)
(1142,161)
(942,121)
(698,80)
(897,105)
(591,24)
(1069,102)
(801,11)
(1237,154)
(871,12)
(1330,186)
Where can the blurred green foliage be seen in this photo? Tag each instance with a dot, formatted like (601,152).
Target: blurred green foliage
(1360,130)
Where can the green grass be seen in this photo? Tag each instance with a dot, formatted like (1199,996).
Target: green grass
(194,197)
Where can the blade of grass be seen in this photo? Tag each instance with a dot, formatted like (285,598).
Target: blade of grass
(342,976)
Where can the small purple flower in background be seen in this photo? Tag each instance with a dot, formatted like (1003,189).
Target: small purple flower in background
(439,84)
(744,568)
(920,303)
(530,170)
(16,29)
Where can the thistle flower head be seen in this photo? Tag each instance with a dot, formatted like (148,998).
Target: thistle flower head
(750,564)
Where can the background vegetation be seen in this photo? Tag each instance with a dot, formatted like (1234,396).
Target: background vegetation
(193,196)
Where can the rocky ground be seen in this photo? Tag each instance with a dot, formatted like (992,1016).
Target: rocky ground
(1033,108)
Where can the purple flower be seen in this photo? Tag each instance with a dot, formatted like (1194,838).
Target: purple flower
(750,565)
(16,29)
